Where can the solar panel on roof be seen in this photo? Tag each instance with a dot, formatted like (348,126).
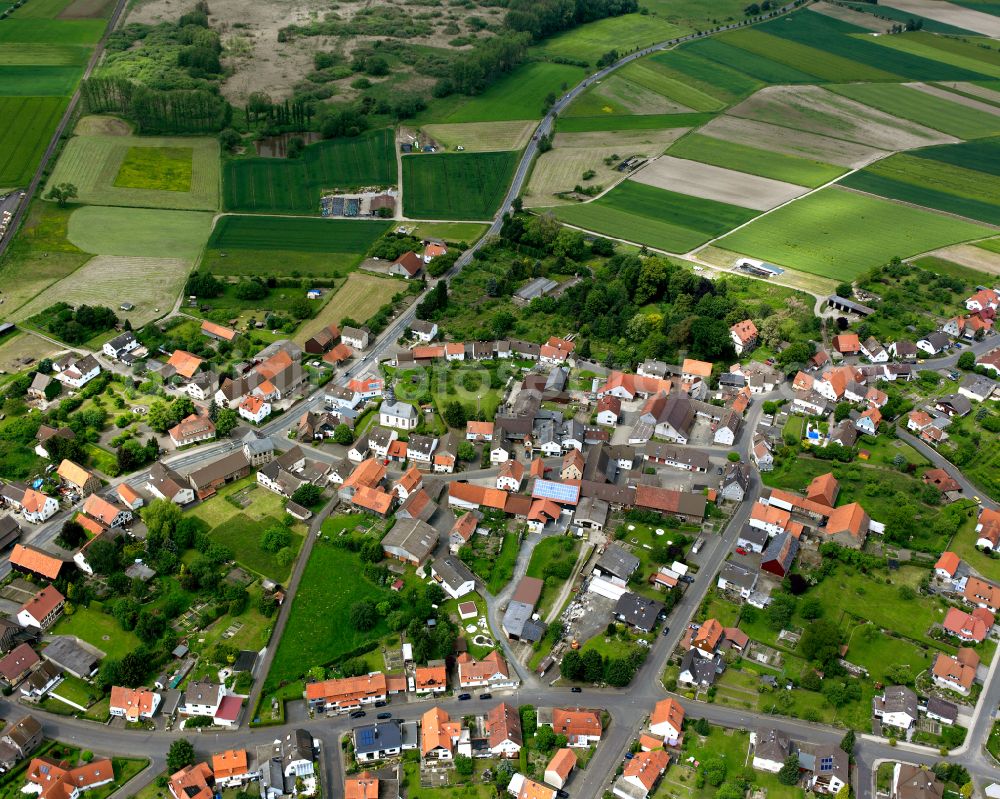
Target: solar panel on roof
(560,492)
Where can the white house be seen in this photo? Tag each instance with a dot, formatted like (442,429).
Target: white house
(119,345)
(133,704)
(510,476)
(76,372)
(36,507)
(770,748)
(667,719)
(400,415)
(202,699)
(42,609)
(424,331)
(255,409)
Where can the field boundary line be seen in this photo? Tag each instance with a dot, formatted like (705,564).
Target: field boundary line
(915,206)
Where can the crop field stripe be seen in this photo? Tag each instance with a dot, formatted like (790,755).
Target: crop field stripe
(834,37)
(29,124)
(755,161)
(923,196)
(520,95)
(635,122)
(763,69)
(820,233)
(982,155)
(35,81)
(694,213)
(450,186)
(917,106)
(898,15)
(308,235)
(729,83)
(647,74)
(43,55)
(48,31)
(941,49)
(622,224)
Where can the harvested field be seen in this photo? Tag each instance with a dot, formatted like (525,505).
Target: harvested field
(607,122)
(152,285)
(87,9)
(24,345)
(971,256)
(812,109)
(562,167)
(951,14)
(743,158)
(96,125)
(862,20)
(791,142)
(715,183)
(482,136)
(990,95)
(820,233)
(360,296)
(139,232)
(936,108)
(94,165)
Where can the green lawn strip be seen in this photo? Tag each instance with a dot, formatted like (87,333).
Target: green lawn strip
(276,233)
(317,632)
(583,124)
(608,221)
(927,109)
(626,32)
(742,157)
(503,566)
(552,561)
(520,95)
(76,690)
(100,459)
(456,185)
(818,233)
(50,31)
(98,629)
(29,123)
(158,168)
(727,80)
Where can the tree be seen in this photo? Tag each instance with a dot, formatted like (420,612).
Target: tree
(180,754)
(779,612)
(71,535)
(789,773)
(103,557)
(300,308)
(811,607)
(593,666)
(545,739)
(821,641)
(967,360)
(454,414)
(307,495)
(714,771)
(572,666)
(229,139)
(363,615)
(62,193)
(275,538)
(463,765)
(845,290)
(343,435)
(842,411)
(847,742)
(466,451)
(226,420)
(161,517)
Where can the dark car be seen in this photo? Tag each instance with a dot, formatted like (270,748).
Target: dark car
(381,703)
(666,630)
(629,755)
(486,696)
(562,794)
(358,714)
(576,689)
(463,697)
(384,716)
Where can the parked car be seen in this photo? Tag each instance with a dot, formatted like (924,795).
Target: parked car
(384,716)
(576,689)
(486,696)
(666,630)
(741,551)
(463,697)
(381,703)
(358,714)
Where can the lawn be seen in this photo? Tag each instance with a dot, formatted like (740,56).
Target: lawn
(162,168)
(520,95)
(360,296)
(766,163)
(456,185)
(839,234)
(279,185)
(503,566)
(29,126)
(918,106)
(242,535)
(649,215)
(78,691)
(317,632)
(450,231)
(552,558)
(963,544)
(142,171)
(97,629)
(872,648)
(478,137)
(625,33)
(218,509)
(139,231)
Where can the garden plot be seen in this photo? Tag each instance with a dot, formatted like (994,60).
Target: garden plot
(816,110)
(968,102)
(951,14)
(476,137)
(973,257)
(715,183)
(563,167)
(141,172)
(791,142)
(859,18)
(152,285)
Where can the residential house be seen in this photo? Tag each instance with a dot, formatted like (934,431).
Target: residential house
(638,612)
(771,748)
(700,672)
(847,344)
(192,429)
(411,541)
(956,673)
(400,415)
(947,564)
(492,672)
(28,559)
(609,409)
(707,638)
(667,720)
(915,782)
(377,741)
(74,371)
(762,453)
(424,331)
(133,704)
(46,434)
(408,265)
(737,578)
(953,405)
(462,530)
(202,698)
(231,768)
(358,338)
(453,576)
(616,565)
(120,344)
(110,514)
(735,482)
(79,479)
(349,693)
(744,336)
(192,782)
(165,483)
(971,627)
(874,351)
(441,738)
(827,767)
(18,663)
(896,707)
(203,386)
(52,779)
(934,343)
(641,774)
(511,475)
(255,409)
(24,736)
(980,593)
(560,767)
(982,300)
(42,609)
(581,727)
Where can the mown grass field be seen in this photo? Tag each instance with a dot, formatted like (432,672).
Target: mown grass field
(617,95)
(766,163)
(932,184)
(720,58)
(259,245)
(482,136)
(157,168)
(624,33)
(41,9)
(913,104)
(520,95)
(330,584)
(456,186)
(142,171)
(449,231)
(144,232)
(97,629)
(648,215)
(360,296)
(38,81)
(242,535)
(152,285)
(839,234)
(279,185)
(28,126)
